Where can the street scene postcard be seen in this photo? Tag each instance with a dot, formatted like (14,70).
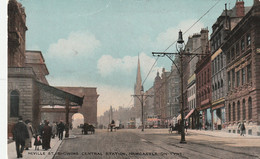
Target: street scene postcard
(130,79)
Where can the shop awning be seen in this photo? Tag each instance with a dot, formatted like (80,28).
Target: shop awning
(188,115)
(53,96)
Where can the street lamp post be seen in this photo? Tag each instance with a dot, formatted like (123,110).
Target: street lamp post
(180,53)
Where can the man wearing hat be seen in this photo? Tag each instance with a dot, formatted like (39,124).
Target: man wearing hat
(20,134)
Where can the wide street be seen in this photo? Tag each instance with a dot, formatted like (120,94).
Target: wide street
(158,143)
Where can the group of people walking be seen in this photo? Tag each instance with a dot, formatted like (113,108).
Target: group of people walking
(23,132)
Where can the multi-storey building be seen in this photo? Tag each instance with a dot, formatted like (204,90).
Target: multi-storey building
(149,103)
(174,91)
(195,44)
(220,29)
(203,89)
(243,73)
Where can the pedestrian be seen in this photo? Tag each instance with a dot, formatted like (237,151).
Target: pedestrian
(54,129)
(242,128)
(186,126)
(112,125)
(37,141)
(28,141)
(46,136)
(20,134)
(170,128)
(61,128)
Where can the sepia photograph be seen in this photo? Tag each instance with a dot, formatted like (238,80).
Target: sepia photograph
(123,79)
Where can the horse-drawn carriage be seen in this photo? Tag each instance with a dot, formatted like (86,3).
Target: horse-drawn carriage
(88,127)
(111,127)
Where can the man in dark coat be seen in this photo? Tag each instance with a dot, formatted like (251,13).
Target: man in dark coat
(20,134)
(46,136)
(61,128)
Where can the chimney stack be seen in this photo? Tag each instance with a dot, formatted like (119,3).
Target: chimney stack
(240,8)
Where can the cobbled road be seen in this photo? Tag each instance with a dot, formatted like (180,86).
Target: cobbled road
(155,144)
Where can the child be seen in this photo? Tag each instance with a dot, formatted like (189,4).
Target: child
(37,142)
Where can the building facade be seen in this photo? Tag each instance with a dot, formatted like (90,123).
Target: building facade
(243,73)
(203,91)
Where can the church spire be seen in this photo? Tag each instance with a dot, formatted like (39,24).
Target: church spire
(138,76)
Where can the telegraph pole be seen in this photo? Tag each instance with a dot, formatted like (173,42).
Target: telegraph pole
(141,99)
(180,54)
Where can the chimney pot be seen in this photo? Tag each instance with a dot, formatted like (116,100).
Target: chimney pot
(240,9)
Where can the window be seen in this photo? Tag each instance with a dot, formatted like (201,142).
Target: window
(249,73)
(221,60)
(232,53)
(229,112)
(238,78)
(221,82)
(228,56)
(237,49)
(243,76)
(205,77)
(14,104)
(208,75)
(202,79)
(244,109)
(234,111)
(219,63)
(238,110)
(212,66)
(229,81)
(248,39)
(233,78)
(249,108)
(242,45)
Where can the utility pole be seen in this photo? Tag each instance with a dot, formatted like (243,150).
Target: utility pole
(180,54)
(141,99)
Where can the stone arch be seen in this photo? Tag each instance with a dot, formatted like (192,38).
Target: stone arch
(77,119)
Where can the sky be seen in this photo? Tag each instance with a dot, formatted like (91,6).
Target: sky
(96,43)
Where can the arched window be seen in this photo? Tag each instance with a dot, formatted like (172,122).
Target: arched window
(229,112)
(244,109)
(14,104)
(249,108)
(238,110)
(234,111)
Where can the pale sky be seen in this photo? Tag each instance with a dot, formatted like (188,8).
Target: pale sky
(95,43)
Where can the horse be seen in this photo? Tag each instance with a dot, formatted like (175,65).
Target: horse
(88,127)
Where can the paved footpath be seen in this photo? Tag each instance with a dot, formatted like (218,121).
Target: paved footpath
(36,154)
